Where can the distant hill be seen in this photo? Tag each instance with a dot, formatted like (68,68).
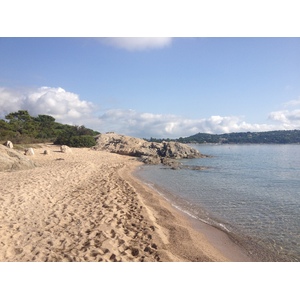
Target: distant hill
(267,137)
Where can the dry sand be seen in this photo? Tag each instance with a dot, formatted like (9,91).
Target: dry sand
(87,206)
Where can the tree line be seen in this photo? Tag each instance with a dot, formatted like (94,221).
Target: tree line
(267,137)
(22,128)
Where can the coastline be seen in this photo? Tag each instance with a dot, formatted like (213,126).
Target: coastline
(87,205)
(202,242)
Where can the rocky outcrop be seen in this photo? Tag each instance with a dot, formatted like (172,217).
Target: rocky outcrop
(176,150)
(124,145)
(148,152)
(11,160)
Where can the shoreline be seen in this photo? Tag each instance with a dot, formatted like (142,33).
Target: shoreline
(87,205)
(215,243)
(235,246)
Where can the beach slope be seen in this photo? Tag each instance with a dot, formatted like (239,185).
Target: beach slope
(85,205)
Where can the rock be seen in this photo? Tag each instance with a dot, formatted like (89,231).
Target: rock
(151,159)
(46,152)
(11,160)
(196,168)
(124,145)
(177,150)
(175,165)
(9,144)
(147,152)
(29,151)
(65,149)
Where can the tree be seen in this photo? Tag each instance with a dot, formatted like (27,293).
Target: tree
(20,127)
(19,120)
(46,126)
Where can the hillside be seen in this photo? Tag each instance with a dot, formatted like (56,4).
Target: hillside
(268,137)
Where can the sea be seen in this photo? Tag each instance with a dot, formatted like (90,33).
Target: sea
(249,191)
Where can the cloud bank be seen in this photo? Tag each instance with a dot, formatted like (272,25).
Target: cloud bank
(67,107)
(137,43)
(173,126)
(62,105)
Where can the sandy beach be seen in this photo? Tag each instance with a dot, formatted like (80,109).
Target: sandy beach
(87,206)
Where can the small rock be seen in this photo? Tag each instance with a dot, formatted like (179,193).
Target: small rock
(65,149)
(29,151)
(9,144)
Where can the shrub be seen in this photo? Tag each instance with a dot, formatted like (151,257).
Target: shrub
(77,141)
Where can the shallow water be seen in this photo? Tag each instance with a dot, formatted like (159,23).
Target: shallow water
(250,191)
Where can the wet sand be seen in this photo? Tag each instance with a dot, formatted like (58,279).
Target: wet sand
(87,206)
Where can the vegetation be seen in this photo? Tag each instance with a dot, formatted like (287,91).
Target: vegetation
(268,137)
(76,141)
(21,128)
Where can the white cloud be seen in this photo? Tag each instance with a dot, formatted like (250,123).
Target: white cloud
(68,108)
(64,106)
(138,43)
(288,118)
(9,101)
(292,103)
(137,124)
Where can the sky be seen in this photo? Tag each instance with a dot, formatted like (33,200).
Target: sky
(155,87)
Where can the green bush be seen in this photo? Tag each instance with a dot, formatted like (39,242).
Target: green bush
(77,141)
(62,139)
(82,141)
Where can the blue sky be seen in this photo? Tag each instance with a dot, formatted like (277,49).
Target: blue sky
(159,87)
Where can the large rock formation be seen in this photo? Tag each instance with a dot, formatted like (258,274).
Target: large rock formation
(148,152)
(11,160)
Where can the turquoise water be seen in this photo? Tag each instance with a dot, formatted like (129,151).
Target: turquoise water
(252,192)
